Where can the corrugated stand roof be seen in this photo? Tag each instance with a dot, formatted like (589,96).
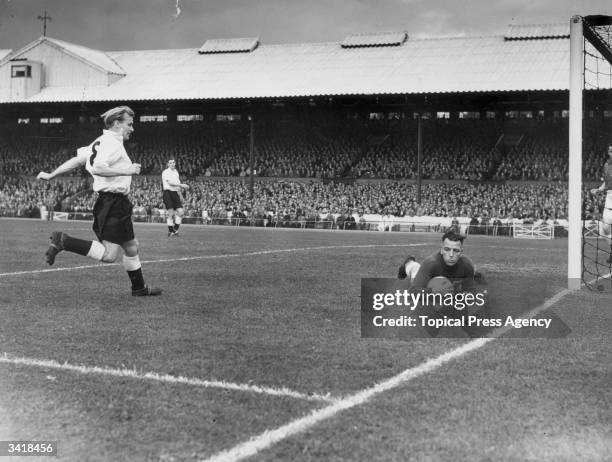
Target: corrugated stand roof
(371,65)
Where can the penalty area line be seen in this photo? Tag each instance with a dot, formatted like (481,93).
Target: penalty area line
(209,257)
(166,378)
(265,440)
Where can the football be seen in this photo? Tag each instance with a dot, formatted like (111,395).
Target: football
(440,285)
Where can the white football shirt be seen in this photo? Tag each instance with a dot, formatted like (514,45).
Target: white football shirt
(170,176)
(107,150)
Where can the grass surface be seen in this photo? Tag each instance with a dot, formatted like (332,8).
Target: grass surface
(281,308)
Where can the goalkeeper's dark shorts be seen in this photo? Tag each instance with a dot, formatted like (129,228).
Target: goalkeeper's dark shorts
(172,200)
(113,218)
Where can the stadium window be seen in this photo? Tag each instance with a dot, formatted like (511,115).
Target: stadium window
(607,114)
(153,118)
(540,115)
(443,115)
(469,115)
(51,120)
(525,115)
(23,120)
(564,114)
(189,118)
(21,70)
(376,116)
(490,115)
(511,114)
(228,118)
(395,115)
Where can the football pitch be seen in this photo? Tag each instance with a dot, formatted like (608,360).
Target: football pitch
(254,352)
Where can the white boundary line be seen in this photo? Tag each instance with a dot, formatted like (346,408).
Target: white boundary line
(270,437)
(232,255)
(208,257)
(166,378)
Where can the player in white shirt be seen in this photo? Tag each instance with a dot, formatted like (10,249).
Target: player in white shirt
(112,170)
(605,224)
(172,186)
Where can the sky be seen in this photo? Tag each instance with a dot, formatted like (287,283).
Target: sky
(116,25)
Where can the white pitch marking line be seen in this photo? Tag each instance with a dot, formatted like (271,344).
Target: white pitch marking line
(207,257)
(53,270)
(270,437)
(166,378)
(511,247)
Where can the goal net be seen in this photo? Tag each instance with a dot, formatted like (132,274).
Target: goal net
(590,135)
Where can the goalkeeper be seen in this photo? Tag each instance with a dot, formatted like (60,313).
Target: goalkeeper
(449,262)
(447,271)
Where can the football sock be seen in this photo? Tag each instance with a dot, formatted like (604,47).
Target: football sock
(91,249)
(96,251)
(177,222)
(170,223)
(134,271)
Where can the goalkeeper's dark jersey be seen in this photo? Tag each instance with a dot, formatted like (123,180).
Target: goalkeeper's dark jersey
(461,273)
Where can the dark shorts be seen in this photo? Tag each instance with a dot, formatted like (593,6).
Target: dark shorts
(172,200)
(113,218)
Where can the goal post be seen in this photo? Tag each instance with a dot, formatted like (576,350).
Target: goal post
(590,48)
(574,241)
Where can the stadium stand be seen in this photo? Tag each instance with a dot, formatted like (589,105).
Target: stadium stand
(329,148)
(338,147)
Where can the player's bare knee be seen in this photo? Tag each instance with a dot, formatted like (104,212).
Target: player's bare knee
(131,248)
(110,255)
(131,251)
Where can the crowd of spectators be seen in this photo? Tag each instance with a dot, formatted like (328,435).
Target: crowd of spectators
(288,150)
(306,200)
(542,153)
(306,169)
(26,197)
(325,146)
(451,150)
